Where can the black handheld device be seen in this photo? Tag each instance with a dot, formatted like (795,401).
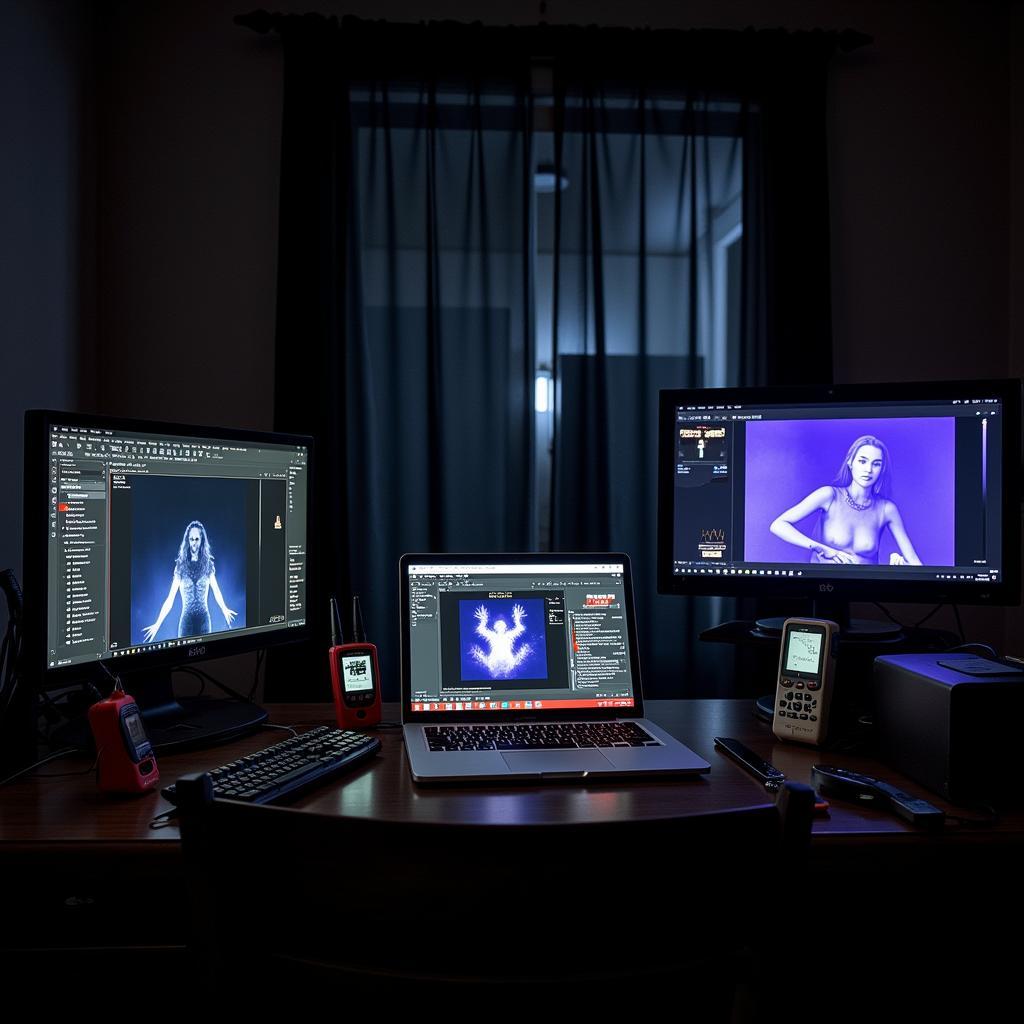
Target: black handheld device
(761,769)
(856,786)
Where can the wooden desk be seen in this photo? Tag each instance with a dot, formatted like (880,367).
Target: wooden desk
(43,813)
(83,867)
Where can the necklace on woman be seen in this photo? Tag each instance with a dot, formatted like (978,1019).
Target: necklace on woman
(853,504)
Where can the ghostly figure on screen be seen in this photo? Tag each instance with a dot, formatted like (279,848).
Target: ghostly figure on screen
(194,576)
(500,659)
(855,508)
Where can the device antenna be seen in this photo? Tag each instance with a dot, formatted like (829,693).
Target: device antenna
(337,634)
(358,629)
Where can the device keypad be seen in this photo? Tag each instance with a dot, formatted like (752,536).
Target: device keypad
(801,708)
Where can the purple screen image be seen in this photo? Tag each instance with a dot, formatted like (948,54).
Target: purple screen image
(788,459)
(502,638)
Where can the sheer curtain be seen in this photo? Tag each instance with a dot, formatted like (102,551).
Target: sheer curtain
(636,253)
(439,354)
(476,222)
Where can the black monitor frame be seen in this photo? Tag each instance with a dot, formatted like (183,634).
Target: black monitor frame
(841,590)
(146,674)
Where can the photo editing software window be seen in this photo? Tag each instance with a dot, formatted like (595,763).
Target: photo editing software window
(159,542)
(908,490)
(518,637)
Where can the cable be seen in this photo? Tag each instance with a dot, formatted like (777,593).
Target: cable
(256,674)
(987,648)
(959,624)
(989,821)
(885,611)
(193,672)
(283,728)
(68,775)
(216,682)
(10,650)
(39,764)
(113,675)
(921,622)
(227,689)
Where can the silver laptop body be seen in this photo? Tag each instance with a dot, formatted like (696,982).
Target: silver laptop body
(496,646)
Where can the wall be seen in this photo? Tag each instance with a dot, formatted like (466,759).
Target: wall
(187,139)
(47,231)
(919,155)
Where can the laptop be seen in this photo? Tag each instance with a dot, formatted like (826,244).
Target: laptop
(525,668)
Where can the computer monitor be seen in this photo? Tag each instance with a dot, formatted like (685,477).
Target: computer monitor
(151,546)
(874,492)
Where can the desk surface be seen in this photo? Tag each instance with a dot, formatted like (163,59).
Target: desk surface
(57,812)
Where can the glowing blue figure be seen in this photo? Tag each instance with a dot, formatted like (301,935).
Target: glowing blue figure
(501,659)
(194,577)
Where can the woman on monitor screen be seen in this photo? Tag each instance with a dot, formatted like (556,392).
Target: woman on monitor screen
(195,576)
(855,508)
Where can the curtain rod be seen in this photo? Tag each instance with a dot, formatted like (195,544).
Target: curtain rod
(263,21)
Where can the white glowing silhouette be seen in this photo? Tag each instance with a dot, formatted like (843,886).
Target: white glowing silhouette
(501,659)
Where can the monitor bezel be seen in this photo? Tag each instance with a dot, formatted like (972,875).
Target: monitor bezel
(35,553)
(1005,592)
(410,717)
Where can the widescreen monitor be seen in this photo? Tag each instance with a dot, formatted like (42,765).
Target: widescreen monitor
(894,492)
(151,546)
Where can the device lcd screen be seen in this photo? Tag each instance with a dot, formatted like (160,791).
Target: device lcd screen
(803,652)
(133,723)
(357,671)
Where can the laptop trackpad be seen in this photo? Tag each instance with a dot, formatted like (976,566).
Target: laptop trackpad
(543,762)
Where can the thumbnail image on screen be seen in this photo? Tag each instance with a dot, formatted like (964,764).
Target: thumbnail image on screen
(503,638)
(188,556)
(850,491)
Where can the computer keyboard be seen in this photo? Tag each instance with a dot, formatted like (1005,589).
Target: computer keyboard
(285,768)
(538,736)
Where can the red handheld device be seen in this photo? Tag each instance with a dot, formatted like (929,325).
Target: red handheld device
(126,760)
(355,676)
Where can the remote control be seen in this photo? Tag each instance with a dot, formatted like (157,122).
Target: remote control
(757,766)
(854,785)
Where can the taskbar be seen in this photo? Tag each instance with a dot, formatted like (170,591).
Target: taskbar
(522,705)
(966,574)
(162,645)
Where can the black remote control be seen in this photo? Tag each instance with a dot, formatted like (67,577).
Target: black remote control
(757,766)
(854,786)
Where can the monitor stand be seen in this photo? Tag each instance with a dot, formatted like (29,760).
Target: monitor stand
(855,631)
(179,723)
(173,723)
(838,612)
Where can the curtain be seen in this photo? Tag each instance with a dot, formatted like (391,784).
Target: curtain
(405,300)
(655,189)
(423,280)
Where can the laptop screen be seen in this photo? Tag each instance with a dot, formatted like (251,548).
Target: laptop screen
(506,637)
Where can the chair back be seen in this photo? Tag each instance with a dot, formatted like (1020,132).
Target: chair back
(276,891)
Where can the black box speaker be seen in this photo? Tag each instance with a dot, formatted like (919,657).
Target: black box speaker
(952,722)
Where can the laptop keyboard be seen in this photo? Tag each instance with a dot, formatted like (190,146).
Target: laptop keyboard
(538,736)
